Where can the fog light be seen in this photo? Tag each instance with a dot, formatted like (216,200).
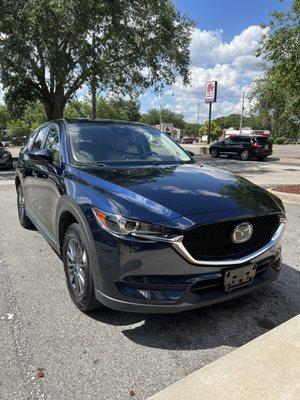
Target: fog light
(145,294)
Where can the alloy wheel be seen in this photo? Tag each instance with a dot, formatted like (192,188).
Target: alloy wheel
(21,203)
(76,267)
(214,153)
(245,155)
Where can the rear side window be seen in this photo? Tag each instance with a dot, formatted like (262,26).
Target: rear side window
(39,141)
(261,140)
(52,144)
(244,139)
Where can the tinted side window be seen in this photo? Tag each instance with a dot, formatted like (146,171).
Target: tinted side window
(40,139)
(231,140)
(246,140)
(52,143)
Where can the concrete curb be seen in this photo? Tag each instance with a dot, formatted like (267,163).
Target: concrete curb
(267,368)
(288,197)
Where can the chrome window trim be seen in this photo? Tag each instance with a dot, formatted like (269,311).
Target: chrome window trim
(178,245)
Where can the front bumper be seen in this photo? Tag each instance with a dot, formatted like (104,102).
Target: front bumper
(6,161)
(154,277)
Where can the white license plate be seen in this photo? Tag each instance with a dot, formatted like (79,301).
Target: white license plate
(239,277)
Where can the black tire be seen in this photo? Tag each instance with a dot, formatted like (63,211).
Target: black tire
(23,218)
(79,270)
(245,155)
(262,158)
(214,153)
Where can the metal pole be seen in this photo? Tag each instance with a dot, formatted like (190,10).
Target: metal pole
(209,123)
(160,116)
(198,116)
(242,113)
(93,82)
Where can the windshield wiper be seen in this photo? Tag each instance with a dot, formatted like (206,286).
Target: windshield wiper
(155,163)
(98,164)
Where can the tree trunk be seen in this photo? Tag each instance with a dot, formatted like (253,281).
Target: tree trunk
(55,106)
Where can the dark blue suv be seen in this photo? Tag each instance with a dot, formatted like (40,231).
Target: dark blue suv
(139,225)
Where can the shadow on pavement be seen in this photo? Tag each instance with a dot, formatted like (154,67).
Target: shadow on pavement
(233,323)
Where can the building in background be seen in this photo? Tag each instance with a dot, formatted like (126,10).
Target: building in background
(169,129)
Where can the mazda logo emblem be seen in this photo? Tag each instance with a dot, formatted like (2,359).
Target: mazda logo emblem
(242,232)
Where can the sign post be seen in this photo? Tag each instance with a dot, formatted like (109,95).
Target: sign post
(210,97)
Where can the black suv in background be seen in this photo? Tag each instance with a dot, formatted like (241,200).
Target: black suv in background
(245,147)
(5,157)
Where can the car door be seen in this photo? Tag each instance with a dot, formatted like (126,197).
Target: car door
(26,165)
(227,146)
(48,181)
(236,145)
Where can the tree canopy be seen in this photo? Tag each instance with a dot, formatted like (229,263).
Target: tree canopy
(49,49)
(127,110)
(216,130)
(152,117)
(233,121)
(277,93)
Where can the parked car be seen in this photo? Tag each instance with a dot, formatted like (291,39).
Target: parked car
(140,229)
(244,146)
(6,159)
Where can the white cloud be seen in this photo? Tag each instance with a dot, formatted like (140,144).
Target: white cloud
(208,47)
(233,64)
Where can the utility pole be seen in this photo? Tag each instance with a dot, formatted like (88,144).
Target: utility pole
(160,117)
(242,112)
(198,113)
(93,81)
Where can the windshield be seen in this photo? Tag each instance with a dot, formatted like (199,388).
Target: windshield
(111,143)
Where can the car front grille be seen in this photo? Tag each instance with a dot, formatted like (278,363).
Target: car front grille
(213,241)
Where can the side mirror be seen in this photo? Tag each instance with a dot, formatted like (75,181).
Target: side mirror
(191,153)
(41,154)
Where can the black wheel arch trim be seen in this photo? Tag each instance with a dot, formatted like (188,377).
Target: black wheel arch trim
(67,204)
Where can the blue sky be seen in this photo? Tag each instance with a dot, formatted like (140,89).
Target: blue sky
(232,16)
(223,49)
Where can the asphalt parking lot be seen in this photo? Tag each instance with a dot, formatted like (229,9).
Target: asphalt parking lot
(106,354)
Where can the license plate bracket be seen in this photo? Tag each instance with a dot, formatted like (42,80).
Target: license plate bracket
(238,277)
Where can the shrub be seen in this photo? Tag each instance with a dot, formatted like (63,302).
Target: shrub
(203,150)
(279,140)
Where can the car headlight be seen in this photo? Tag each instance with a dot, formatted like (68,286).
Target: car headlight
(117,225)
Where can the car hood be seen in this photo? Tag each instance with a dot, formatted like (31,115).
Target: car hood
(192,190)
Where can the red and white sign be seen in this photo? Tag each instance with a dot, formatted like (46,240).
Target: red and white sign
(211,92)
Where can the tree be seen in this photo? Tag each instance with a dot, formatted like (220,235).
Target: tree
(127,110)
(233,121)
(216,130)
(18,129)
(34,115)
(228,121)
(47,52)
(277,93)
(3,116)
(152,117)
(190,129)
